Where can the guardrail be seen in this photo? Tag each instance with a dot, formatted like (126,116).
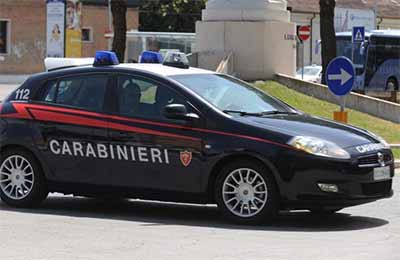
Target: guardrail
(373,106)
(391,96)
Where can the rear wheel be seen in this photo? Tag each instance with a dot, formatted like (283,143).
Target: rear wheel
(22,183)
(246,193)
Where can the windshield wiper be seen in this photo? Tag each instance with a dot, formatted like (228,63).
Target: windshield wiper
(277,112)
(242,113)
(266,113)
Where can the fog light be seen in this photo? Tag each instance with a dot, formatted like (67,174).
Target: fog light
(328,187)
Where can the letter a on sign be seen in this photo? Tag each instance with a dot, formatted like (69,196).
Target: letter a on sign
(186,158)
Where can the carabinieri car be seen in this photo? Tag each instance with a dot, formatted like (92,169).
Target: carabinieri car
(173,133)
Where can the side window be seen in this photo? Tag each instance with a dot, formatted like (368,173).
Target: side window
(49,91)
(144,98)
(86,92)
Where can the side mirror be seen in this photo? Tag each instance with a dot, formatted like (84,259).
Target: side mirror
(178,111)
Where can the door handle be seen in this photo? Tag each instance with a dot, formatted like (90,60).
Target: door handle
(120,134)
(49,128)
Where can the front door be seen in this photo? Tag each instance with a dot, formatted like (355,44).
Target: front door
(151,151)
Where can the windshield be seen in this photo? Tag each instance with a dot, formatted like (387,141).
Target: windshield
(228,94)
(310,71)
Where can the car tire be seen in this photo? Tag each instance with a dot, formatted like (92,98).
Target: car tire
(392,84)
(246,193)
(22,183)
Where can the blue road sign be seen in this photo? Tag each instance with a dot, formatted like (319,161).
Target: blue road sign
(340,76)
(358,34)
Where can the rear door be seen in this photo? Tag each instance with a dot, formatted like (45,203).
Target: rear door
(70,119)
(150,150)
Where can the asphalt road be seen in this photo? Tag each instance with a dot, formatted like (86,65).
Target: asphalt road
(79,228)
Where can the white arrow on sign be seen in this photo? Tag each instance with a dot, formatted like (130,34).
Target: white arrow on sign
(344,76)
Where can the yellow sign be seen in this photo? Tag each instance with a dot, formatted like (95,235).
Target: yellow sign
(73,35)
(73,47)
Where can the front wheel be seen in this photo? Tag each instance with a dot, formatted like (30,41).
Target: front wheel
(246,193)
(22,183)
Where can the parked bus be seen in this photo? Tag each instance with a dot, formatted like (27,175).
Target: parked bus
(377,59)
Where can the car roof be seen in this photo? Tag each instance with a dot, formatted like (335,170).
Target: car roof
(65,67)
(163,70)
(63,64)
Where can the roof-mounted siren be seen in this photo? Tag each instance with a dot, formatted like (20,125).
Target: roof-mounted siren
(177,60)
(151,57)
(105,58)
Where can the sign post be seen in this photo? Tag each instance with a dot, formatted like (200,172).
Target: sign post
(340,77)
(304,34)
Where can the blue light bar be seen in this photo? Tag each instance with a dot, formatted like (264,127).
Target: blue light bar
(151,57)
(105,58)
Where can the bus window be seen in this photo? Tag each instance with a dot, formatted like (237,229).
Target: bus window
(383,61)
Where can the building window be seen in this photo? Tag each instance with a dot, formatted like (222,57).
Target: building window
(4,36)
(87,34)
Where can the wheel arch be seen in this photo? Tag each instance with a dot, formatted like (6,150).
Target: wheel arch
(30,151)
(234,157)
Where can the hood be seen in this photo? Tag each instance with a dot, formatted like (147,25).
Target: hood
(305,125)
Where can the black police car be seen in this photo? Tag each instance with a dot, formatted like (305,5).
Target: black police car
(158,132)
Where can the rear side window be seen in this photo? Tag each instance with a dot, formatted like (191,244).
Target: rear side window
(84,92)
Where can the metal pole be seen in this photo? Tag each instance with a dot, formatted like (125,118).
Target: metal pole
(302,60)
(109,24)
(352,50)
(342,103)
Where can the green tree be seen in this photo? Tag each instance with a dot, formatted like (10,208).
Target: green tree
(118,10)
(328,36)
(170,15)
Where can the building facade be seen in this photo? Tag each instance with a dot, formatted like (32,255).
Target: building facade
(23,32)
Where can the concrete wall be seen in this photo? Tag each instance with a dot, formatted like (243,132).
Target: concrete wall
(373,106)
(260,49)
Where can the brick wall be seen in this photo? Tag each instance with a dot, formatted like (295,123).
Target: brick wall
(96,17)
(28,33)
(28,36)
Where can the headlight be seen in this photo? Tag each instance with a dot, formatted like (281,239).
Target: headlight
(318,147)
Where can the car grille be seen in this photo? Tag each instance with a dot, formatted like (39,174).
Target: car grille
(377,188)
(373,160)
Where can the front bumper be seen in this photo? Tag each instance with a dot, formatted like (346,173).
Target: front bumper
(361,194)
(356,185)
